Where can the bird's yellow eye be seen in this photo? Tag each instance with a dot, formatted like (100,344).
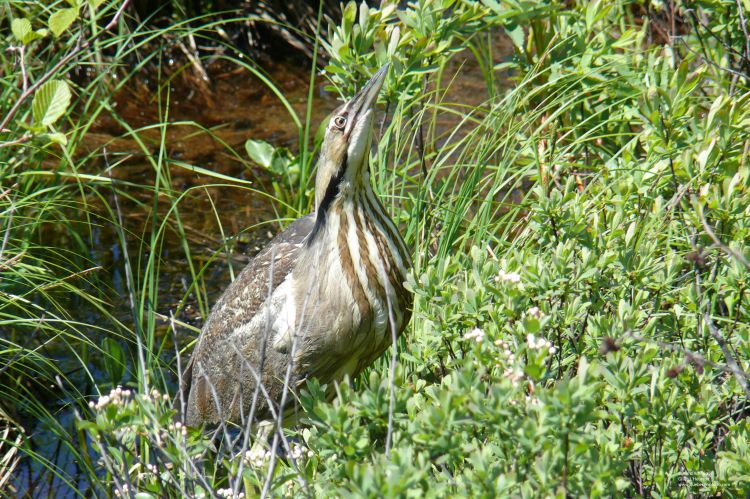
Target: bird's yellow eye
(339,122)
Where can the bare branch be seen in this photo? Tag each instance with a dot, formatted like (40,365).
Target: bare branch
(180,394)
(743,24)
(21,140)
(712,63)
(279,419)
(726,249)
(740,375)
(690,356)
(392,372)
(21,49)
(8,225)
(129,280)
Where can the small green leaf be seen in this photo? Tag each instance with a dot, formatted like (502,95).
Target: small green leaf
(21,29)
(706,155)
(259,151)
(516,36)
(57,138)
(95,3)
(62,19)
(114,361)
(50,102)
(630,233)
(714,110)
(393,42)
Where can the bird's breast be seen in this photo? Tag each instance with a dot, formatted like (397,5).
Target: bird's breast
(356,294)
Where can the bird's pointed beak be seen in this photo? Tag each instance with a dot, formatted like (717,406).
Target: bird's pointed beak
(365,99)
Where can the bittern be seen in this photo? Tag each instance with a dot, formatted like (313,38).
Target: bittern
(323,300)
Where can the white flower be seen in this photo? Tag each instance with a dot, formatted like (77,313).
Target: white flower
(475,334)
(514,375)
(227,492)
(298,451)
(125,489)
(511,277)
(117,396)
(505,355)
(539,343)
(257,456)
(534,312)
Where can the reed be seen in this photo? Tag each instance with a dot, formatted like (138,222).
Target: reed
(578,222)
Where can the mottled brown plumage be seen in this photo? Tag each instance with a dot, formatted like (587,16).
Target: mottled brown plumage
(237,306)
(320,301)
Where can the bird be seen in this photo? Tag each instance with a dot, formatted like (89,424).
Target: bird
(323,300)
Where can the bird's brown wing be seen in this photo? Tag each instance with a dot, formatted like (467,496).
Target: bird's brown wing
(237,306)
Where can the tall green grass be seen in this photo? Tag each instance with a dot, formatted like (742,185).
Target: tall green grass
(72,329)
(595,181)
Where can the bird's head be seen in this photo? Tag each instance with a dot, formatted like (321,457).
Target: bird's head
(346,145)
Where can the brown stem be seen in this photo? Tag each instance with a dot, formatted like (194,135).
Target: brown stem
(743,23)
(726,249)
(734,368)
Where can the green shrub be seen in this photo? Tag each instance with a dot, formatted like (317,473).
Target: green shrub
(581,323)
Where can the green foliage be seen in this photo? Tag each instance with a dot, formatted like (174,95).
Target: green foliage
(417,41)
(281,164)
(22,31)
(61,20)
(581,241)
(134,434)
(50,102)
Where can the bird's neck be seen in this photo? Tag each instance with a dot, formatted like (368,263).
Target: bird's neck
(364,256)
(342,189)
(353,217)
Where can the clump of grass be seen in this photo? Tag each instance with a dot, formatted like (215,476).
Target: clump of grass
(580,324)
(11,438)
(72,329)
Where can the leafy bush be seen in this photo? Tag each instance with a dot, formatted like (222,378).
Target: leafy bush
(580,325)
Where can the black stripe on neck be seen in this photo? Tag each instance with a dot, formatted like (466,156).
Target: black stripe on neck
(331,192)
